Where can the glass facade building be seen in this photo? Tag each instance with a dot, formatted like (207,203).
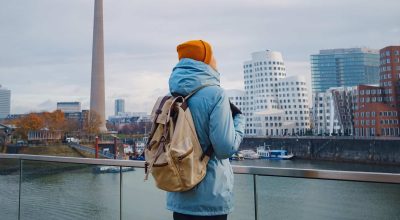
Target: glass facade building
(344,67)
(5,101)
(119,106)
(69,107)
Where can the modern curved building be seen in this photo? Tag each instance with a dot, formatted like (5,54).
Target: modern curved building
(275,104)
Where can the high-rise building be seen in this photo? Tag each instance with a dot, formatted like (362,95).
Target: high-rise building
(5,102)
(390,74)
(119,106)
(69,107)
(274,104)
(344,68)
(377,108)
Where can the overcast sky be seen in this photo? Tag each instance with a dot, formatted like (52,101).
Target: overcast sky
(45,45)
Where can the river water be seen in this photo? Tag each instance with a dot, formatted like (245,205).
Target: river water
(77,193)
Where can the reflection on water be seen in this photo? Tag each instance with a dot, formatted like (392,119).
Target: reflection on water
(81,194)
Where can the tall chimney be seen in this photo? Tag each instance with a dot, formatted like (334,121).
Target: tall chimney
(97,93)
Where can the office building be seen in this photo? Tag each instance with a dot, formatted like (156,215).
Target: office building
(119,106)
(5,102)
(344,68)
(69,107)
(274,104)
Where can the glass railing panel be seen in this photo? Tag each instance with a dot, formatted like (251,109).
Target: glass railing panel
(9,188)
(142,199)
(69,191)
(244,197)
(298,198)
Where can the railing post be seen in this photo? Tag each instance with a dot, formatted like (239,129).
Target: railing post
(19,191)
(120,193)
(97,147)
(115,147)
(255,197)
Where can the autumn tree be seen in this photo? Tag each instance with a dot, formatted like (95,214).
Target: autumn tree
(30,122)
(54,121)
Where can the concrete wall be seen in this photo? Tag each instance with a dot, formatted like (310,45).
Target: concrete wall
(379,151)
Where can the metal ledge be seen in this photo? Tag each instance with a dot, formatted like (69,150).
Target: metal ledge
(252,170)
(108,162)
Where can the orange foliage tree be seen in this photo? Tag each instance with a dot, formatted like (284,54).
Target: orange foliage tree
(30,122)
(53,121)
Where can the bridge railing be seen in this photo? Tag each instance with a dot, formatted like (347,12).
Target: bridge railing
(47,187)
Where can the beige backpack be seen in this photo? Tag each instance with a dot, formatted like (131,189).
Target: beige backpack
(173,153)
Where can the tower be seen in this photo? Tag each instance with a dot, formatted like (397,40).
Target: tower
(5,100)
(119,106)
(97,93)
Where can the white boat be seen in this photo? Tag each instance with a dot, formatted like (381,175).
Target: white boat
(249,154)
(266,153)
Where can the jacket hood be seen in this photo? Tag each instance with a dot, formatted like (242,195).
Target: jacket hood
(190,74)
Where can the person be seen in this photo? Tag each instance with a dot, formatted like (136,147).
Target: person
(219,125)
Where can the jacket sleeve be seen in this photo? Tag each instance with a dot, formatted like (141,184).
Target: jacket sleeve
(226,133)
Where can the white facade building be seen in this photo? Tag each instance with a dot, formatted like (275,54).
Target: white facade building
(237,97)
(332,111)
(275,104)
(5,102)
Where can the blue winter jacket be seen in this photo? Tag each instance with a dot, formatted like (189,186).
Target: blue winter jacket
(215,127)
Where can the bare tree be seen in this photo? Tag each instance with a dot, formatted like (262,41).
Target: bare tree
(91,124)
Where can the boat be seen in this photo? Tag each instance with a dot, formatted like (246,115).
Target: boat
(236,156)
(137,157)
(111,169)
(249,154)
(265,152)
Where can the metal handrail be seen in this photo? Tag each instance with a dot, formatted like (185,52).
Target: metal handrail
(253,170)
